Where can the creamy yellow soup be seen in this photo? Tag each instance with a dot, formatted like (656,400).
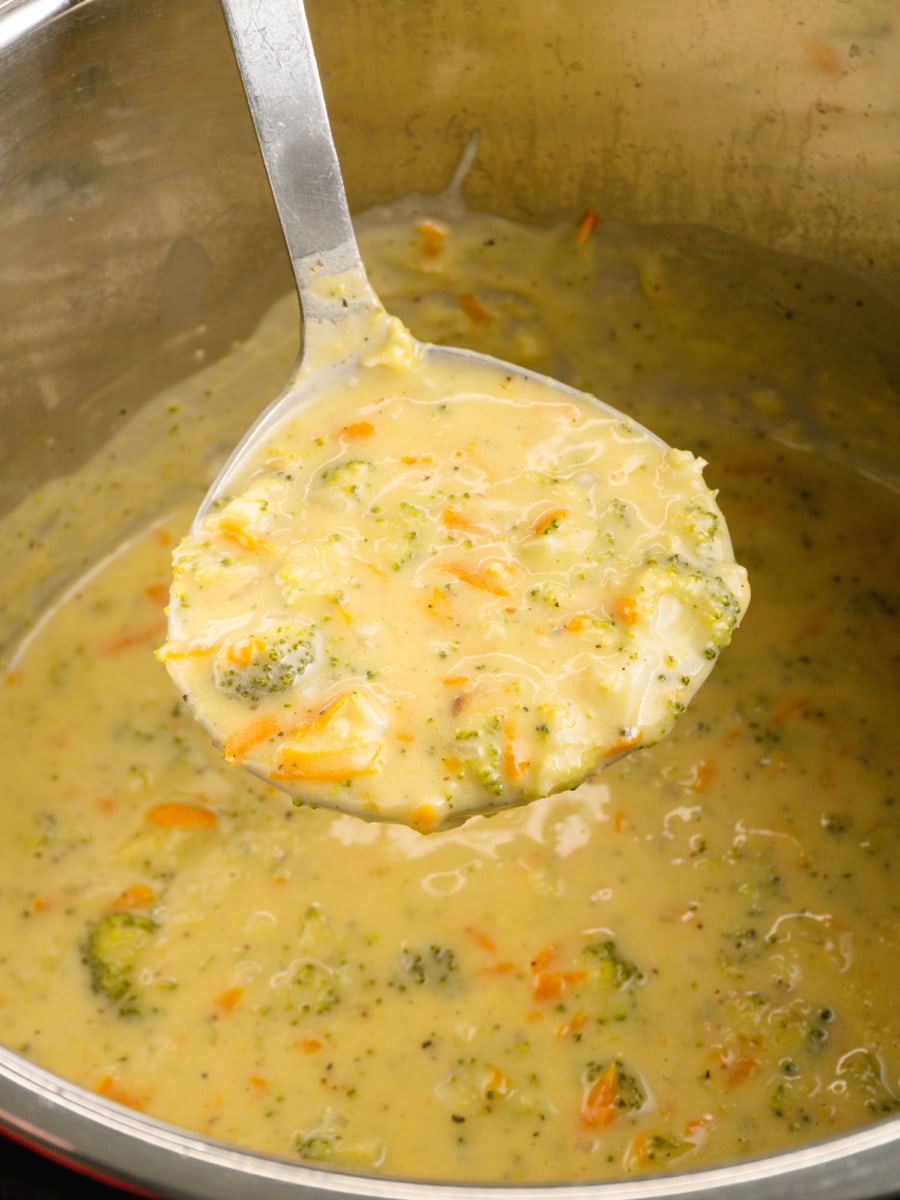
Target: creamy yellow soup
(690,960)
(444,588)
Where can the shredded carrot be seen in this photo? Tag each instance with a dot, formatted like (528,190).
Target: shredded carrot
(550,985)
(515,758)
(432,236)
(626,610)
(157,593)
(138,895)
(738,1066)
(110,1087)
(257,1082)
(178,815)
(598,1105)
(544,958)
(235,530)
(475,576)
(179,650)
(701,775)
(242,651)
(495,1084)
(136,637)
(577,1021)
(14,678)
(423,818)
(473,308)
(357,431)
(499,968)
(637,1153)
(456,519)
(328,765)
(311,1044)
(228,999)
(586,226)
(164,537)
(825,57)
(242,741)
(481,939)
(552,516)
(790,710)
(579,621)
(623,746)
(698,1129)
(455,680)
(741,1070)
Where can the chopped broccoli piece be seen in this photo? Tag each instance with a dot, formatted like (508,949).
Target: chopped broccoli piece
(433,965)
(478,747)
(609,965)
(111,951)
(350,477)
(264,664)
(333,1138)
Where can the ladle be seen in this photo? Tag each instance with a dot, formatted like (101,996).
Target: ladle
(341,313)
(348,336)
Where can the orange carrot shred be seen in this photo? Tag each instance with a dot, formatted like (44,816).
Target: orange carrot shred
(515,758)
(577,622)
(242,651)
(178,815)
(136,637)
(357,431)
(432,236)
(481,939)
(598,1106)
(550,985)
(110,1087)
(550,517)
(229,998)
(242,741)
(577,1021)
(626,610)
(157,593)
(586,226)
(329,765)
(474,576)
(138,895)
(495,1084)
(424,818)
(311,1044)
(473,308)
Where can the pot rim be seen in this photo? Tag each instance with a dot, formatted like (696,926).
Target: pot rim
(105,1140)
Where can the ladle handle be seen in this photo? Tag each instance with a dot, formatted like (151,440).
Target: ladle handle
(274,51)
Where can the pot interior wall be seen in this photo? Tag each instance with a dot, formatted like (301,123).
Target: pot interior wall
(138,235)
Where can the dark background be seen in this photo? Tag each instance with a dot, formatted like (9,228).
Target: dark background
(25,1175)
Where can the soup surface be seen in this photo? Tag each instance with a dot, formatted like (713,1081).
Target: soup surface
(689,960)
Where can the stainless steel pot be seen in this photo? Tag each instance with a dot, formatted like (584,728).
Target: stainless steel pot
(133,203)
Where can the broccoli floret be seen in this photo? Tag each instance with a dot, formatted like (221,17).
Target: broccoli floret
(609,965)
(350,477)
(479,749)
(434,964)
(264,664)
(111,951)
